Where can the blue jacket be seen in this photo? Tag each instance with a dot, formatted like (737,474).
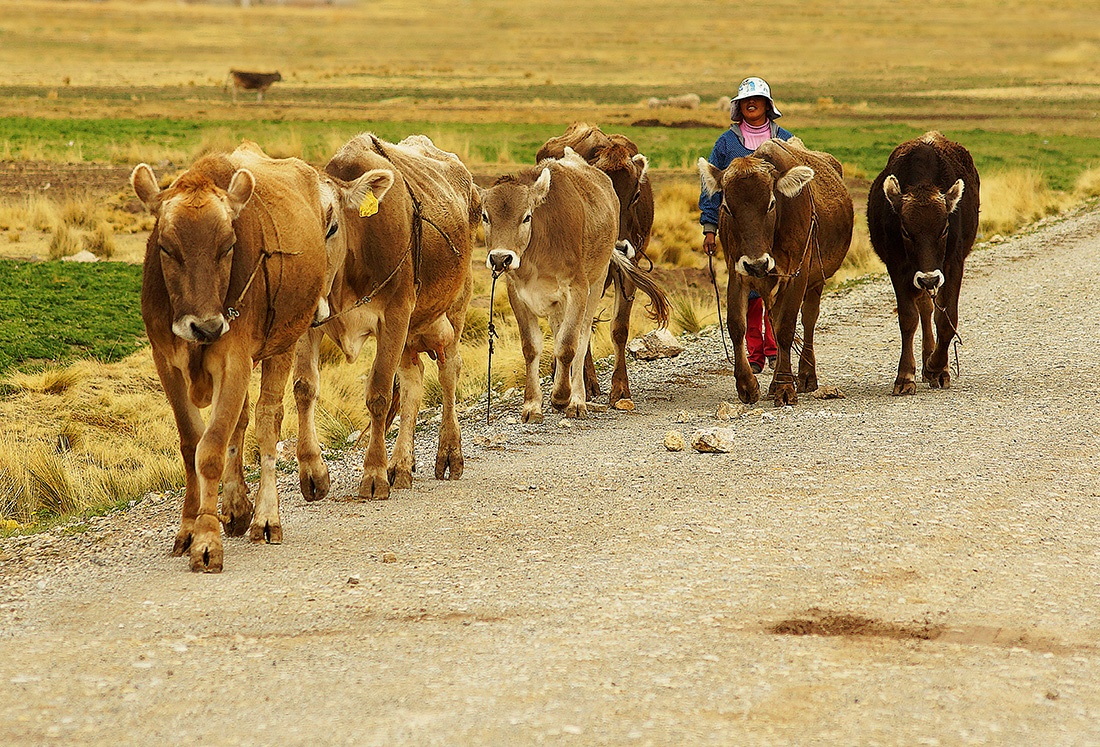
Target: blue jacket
(730,145)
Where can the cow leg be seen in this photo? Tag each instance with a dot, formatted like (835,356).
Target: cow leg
(230,392)
(620,332)
(784,315)
(266,525)
(392,331)
(572,334)
(410,378)
(935,370)
(807,361)
(737,308)
(190,426)
(236,507)
(313,476)
(908,318)
(448,458)
(530,335)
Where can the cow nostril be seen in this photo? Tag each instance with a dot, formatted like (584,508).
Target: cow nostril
(507,260)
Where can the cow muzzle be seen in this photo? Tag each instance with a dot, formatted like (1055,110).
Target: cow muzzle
(755,268)
(501,260)
(929,281)
(202,331)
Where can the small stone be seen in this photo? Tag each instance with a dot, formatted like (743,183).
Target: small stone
(674,441)
(682,416)
(83,256)
(660,343)
(730,411)
(353,437)
(713,440)
(511,420)
(353,580)
(565,423)
(624,404)
(596,407)
(828,392)
(389,557)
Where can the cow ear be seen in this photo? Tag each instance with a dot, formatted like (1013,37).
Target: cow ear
(240,190)
(145,186)
(954,195)
(371,187)
(643,167)
(892,190)
(711,176)
(791,183)
(541,188)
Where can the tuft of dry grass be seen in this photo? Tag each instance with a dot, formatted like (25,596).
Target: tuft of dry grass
(65,241)
(1013,199)
(1088,183)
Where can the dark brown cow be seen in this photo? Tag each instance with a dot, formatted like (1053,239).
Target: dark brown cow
(619,158)
(258,82)
(233,272)
(785,227)
(405,282)
(922,214)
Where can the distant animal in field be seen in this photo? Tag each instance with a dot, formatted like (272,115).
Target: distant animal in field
(618,157)
(922,215)
(233,272)
(683,101)
(401,240)
(550,231)
(785,226)
(246,81)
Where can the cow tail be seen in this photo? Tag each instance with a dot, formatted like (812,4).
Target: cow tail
(658,306)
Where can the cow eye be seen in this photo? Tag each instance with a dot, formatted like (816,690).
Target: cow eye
(228,250)
(166,252)
(485,218)
(527,218)
(332,230)
(771,205)
(637,196)
(945,230)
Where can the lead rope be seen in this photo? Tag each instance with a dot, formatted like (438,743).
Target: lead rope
(718,303)
(957,340)
(492,334)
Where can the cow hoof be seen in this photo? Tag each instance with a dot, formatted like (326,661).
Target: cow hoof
(577,410)
(748,390)
(314,484)
(807,384)
(182,543)
(236,524)
(785,395)
(448,461)
(400,479)
(206,545)
(904,387)
(271,533)
(938,379)
(374,487)
(532,415)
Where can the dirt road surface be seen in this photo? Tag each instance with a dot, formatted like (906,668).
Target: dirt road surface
(870,570)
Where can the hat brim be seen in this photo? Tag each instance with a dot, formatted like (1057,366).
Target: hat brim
(776,114)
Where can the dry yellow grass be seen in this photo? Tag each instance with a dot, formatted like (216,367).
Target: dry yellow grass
(1013,199)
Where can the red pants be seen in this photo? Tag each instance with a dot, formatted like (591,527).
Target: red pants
(758,337)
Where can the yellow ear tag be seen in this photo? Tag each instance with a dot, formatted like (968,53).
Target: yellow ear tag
(369,205)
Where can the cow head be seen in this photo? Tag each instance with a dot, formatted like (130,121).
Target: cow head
(924,215)
(748,187)
(630,177)
(507,210)
(195,240)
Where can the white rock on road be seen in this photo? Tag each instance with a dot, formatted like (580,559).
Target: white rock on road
(865,570)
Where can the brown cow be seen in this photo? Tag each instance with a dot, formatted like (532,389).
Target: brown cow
(233,272)
(785,227)
(922,214)
(619,158)
(551,230)
(258,82)
(404,231)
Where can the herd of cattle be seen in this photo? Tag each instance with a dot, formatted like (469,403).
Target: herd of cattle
(254,259)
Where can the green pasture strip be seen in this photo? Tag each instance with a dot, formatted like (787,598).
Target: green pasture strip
(866,144)
(59,312)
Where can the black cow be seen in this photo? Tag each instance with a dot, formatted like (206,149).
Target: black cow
(922,214)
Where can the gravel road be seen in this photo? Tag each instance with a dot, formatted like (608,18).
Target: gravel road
(869,570)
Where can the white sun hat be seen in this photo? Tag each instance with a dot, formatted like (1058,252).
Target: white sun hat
(754,87)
